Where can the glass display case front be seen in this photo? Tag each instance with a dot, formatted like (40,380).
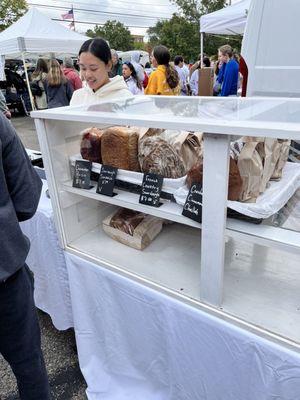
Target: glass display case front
(247,270)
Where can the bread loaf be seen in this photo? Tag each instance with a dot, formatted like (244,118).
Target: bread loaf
(195,175)
(132,228)
(90,147)
(157,156)
(126,220)
(119,148)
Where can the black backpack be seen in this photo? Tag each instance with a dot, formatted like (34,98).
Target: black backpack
(36,90)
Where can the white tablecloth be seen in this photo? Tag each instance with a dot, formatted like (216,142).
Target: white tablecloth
(46,259)
(135,343)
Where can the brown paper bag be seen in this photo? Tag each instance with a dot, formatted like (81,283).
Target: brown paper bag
(269,150)
(195,175)
(132,228)
(282,159)
(188,145)
(251,170)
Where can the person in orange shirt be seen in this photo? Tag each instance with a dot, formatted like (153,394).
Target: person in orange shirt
(164,80)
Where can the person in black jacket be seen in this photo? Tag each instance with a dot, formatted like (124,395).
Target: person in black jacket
(58,88)
(19,329)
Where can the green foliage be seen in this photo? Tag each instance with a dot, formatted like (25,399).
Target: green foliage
(208,6)
(11,11)
(181,33)
(193,9)
(139,46)
(115,33)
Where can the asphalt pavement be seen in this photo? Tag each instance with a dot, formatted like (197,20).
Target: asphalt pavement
(59,348)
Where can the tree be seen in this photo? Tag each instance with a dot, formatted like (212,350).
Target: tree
(115,33)
(179,35)
(193,9)
(139,46)
(11,11)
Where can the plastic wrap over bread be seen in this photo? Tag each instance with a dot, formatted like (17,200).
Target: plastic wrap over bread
(90,147)
(132,228)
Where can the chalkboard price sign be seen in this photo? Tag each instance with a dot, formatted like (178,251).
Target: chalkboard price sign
(151,189)
(82,174)
(106,180)
(193,203)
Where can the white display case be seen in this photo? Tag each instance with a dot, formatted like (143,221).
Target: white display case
(242,272)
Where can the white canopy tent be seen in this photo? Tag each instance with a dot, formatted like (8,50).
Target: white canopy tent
(227,21)
(35,35)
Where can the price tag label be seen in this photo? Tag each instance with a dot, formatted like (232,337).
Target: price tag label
(193,203)
(107,180)
(151,189)
(82,174)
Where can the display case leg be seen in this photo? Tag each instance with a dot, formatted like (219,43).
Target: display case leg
(215,191)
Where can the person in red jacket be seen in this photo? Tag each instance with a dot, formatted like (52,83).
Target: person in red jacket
(71,74)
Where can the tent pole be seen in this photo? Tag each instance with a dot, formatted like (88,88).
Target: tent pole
(28,84)
(201,48)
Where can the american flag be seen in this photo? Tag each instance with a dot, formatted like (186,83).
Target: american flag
(69,15)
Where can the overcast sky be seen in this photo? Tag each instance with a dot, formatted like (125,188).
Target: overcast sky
(145,13)
(142,13)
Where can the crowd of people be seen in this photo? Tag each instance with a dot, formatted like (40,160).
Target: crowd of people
(102,74)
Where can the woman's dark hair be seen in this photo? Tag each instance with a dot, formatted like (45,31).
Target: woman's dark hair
(162,56)
(133,74)
(98,47)
(41,66)
(206,62)
(178,60)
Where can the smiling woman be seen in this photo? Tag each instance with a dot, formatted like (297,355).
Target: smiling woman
(95,64)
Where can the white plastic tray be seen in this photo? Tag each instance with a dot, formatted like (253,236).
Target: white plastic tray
(169,185)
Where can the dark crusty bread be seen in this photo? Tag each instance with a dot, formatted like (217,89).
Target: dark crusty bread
(157,156)
(90,147)
(126,220)
(119,148)
(195,175)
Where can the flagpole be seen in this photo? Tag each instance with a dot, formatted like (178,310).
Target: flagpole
(73,18)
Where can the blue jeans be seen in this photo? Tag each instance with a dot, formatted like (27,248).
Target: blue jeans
(20,340)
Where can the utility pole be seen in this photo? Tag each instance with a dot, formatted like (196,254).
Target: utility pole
(74,18)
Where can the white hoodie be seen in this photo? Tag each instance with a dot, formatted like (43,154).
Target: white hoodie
(116,88)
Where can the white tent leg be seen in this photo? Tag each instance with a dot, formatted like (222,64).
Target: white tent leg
(201,48)
(28,84)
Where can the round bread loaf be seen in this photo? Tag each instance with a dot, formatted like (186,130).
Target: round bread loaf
(90,147)
(157,156)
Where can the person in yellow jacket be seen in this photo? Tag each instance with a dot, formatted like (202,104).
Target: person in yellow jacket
(164,80)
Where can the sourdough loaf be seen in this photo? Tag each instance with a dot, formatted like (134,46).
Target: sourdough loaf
(132,228)
(119,148)
(157,156)
(126,220)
